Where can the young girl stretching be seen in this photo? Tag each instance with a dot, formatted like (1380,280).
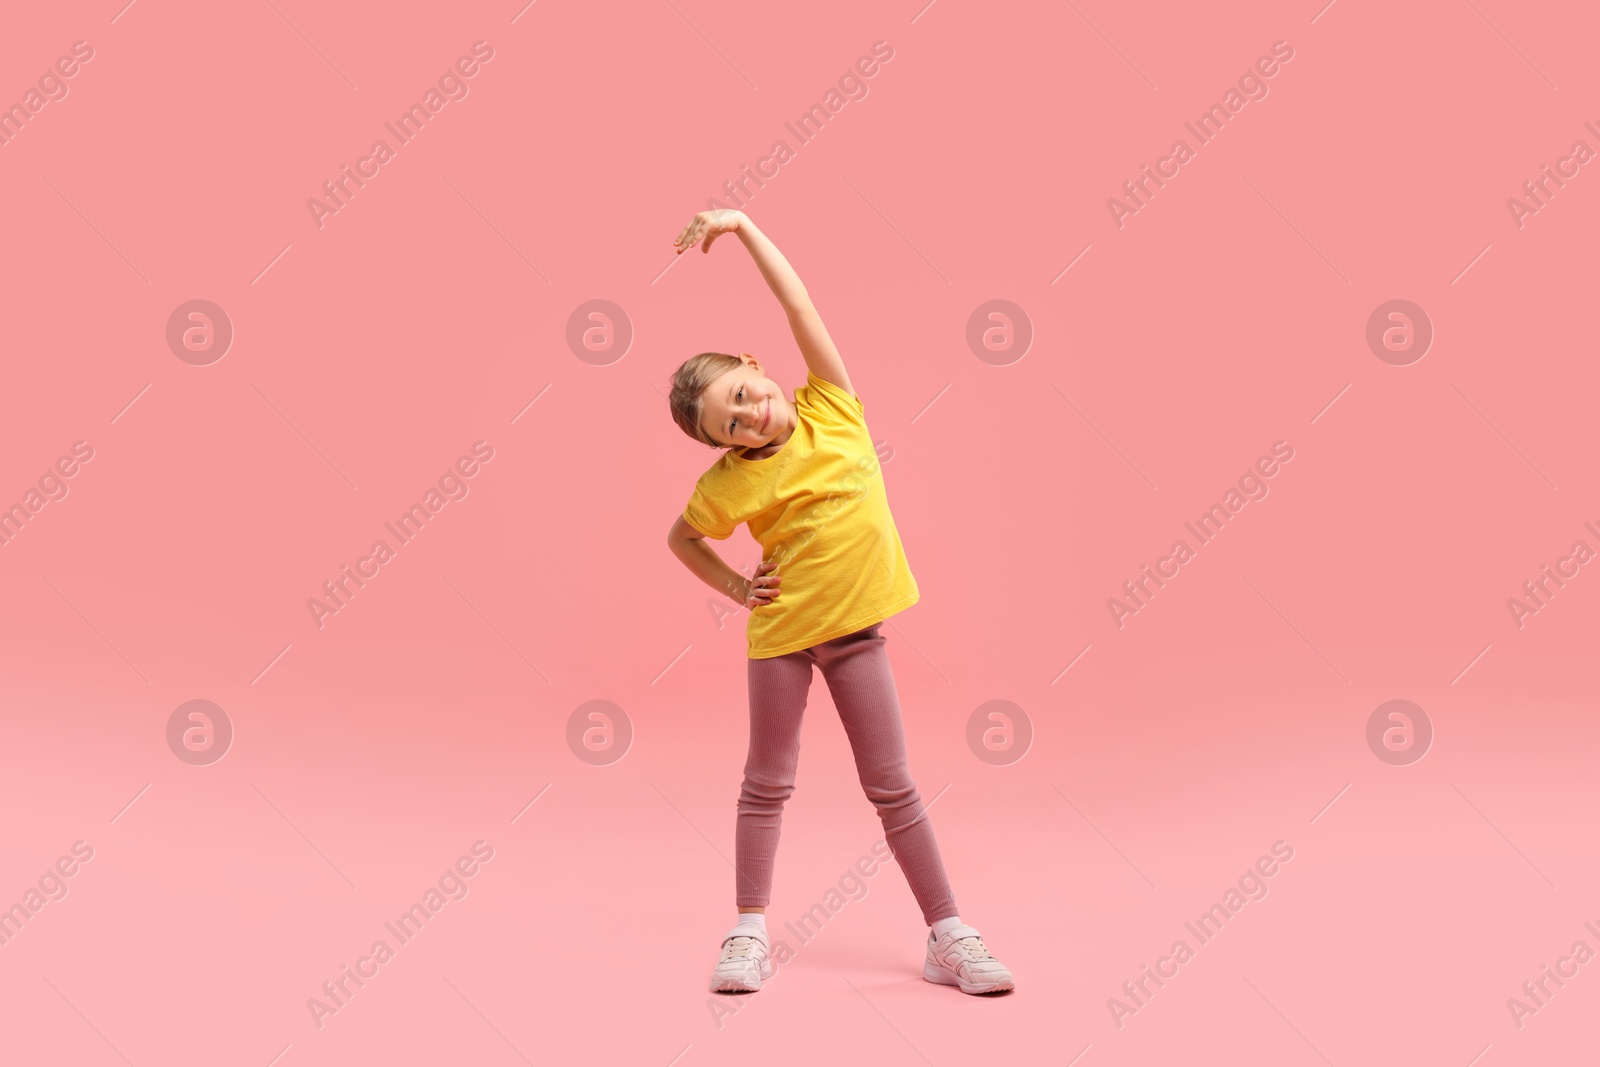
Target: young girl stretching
(804,475)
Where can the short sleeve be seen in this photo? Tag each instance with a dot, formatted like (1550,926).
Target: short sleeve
(705,514)
(826,396)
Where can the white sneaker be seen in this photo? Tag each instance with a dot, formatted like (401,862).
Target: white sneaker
(744,961)
(959,958)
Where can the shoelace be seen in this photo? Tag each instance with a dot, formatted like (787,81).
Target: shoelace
(975,947)
(737,947)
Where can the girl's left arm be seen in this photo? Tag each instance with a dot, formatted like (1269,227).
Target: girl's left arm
(821,357)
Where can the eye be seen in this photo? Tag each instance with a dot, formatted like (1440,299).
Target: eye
(734,423)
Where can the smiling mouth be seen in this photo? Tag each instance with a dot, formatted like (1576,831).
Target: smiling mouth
(767,417)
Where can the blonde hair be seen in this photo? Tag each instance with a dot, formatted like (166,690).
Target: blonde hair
(689,382)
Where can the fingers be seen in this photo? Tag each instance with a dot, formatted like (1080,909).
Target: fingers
(692,239)
(686,240)
(764,584)
(697,228)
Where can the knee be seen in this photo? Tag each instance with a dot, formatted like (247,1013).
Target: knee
(759,794)
(894,797)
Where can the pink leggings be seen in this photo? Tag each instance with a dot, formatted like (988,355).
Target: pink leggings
(856,668)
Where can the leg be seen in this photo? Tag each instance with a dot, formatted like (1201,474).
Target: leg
(778,688)
(856,668)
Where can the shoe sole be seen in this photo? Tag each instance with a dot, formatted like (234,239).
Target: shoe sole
(741,984)
(934,973)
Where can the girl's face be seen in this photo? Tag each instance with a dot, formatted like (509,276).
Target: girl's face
(744,407)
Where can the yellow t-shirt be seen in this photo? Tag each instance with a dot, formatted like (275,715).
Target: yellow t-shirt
(819,510)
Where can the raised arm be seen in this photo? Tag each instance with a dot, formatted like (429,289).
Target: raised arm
(821,357)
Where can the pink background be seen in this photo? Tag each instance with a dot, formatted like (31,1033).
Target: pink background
(427,314)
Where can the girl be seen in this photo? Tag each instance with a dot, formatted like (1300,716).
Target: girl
(803,474)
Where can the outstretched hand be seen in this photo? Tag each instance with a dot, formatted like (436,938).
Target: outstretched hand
(708,225)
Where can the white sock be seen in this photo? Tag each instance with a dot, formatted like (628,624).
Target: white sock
(943,926)
(755,918)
